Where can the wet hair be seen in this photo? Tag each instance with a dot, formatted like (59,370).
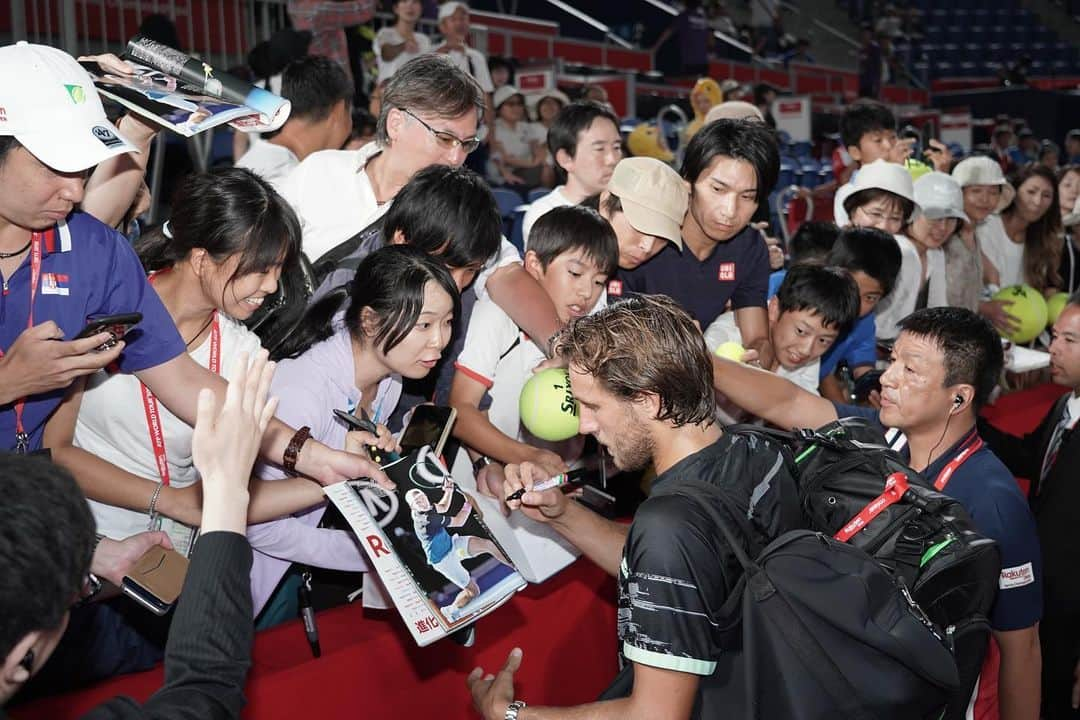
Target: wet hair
(225,211)
(566,229)
(315,85)
(827,291)
(868,250)
(1042,238)
(430,85)
(812,241)
(970,347)
(864,116)
(46,543)
(572,120)
(871,195)
(645,345)
(449,212)
(389,281)
(751,142)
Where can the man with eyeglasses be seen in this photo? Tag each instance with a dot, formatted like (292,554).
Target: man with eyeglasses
(431,115)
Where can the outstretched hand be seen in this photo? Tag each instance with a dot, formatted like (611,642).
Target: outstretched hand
(492,694)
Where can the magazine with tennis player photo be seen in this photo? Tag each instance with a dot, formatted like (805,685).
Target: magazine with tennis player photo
(439,562)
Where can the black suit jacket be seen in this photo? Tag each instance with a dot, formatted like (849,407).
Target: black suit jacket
(1055,502)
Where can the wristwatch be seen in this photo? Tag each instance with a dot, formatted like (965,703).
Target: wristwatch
(513,709)
(479,464)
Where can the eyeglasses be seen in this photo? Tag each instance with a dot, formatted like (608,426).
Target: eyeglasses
(448,140)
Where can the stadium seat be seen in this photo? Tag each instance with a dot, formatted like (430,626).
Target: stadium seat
(536,194)
(517,232)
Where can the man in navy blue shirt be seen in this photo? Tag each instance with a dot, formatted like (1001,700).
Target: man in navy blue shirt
(945,363)
(60,267)
(730,167)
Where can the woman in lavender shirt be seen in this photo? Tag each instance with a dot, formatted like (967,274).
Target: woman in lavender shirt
(351,351)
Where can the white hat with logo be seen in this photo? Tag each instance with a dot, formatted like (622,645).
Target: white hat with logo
(939,195)
(49,104)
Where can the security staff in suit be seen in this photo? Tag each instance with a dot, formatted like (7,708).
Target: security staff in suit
(1050,458)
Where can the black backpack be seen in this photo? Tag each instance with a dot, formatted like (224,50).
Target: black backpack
(854,488)
(826,632)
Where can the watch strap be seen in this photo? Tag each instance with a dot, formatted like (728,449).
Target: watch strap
(292,452)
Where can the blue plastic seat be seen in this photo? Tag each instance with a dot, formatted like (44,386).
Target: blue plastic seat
(517,232)
(536,194)
(507,201)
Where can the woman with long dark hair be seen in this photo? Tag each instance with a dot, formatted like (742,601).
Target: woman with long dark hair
(355,345)
(1030,250)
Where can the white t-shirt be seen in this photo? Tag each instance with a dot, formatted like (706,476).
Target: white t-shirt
(999,249)
(552,200)
(473,62)
(390,36)
(333,197)
(112,425)
(724,329)
(270,161)
(901,302)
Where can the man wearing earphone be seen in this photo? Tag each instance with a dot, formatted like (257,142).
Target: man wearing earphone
(944,365)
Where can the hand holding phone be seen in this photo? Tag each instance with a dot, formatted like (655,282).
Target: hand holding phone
(116,325)
(156,580)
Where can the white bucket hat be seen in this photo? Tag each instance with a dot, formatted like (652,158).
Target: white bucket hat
(49,104)
(940,196)
(980,170)
(503,94)
(882,175)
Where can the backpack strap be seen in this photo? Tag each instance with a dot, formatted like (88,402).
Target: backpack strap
(814,657)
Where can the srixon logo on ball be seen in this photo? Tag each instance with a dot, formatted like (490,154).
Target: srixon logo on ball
(568,404)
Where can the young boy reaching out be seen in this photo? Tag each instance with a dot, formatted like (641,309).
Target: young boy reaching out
(572,252)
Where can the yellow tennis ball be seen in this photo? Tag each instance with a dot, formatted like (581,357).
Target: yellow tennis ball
(1027,305)
(731,350)
(548,408)
(1055,305)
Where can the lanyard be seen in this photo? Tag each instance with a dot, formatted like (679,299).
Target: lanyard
(152,409)
(946,474)
(22,439)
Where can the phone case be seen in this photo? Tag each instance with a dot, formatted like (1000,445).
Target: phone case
(159,573)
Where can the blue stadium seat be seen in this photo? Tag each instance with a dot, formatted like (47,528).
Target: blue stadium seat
(787,173)
(802,150)
(506,200)
(536,194)
(517,233)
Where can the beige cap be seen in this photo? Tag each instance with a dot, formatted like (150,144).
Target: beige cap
(653,197)
(449,8)
(979,170)
(734,110)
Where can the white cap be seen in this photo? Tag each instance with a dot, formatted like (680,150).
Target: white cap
(503,94)
(885,175)
(535,98)
(449,8)
(734,110)
(940,196)
(49,103)
(980,170)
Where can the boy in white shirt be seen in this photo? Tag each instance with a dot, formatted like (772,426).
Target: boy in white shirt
(585,144)
(321,119)
(572,254)
(814,305)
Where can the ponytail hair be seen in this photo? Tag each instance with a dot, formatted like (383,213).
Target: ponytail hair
(225,211)
(389,281)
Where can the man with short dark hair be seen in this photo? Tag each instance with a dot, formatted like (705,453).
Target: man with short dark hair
(945,363)
(585,144)
(641,375)
(321,118)
(730,167)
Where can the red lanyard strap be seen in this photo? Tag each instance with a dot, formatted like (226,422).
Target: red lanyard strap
(153,412)
(22,439)
(895,487)
(946,474)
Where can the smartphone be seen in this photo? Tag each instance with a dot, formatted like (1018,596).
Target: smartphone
(429,425)
(156,580)
(116,325)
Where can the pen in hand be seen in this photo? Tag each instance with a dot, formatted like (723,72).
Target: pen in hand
(364,424)
(553,482)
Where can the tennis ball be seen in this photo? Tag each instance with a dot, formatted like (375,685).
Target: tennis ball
(731,350)
(1027,305)
(548,408)
(1055,305)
